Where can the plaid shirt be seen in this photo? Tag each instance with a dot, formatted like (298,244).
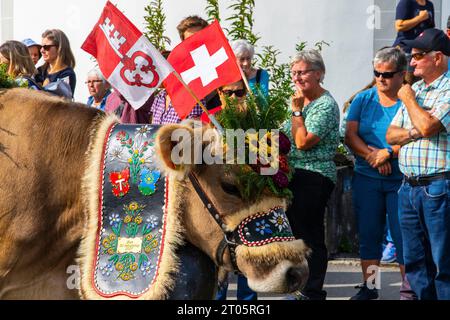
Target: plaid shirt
(163,116)
(427,156)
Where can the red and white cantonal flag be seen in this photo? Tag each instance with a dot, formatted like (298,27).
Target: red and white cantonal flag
(205,62)
(129,62)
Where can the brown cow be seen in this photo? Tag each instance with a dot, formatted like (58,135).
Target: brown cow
(44,143)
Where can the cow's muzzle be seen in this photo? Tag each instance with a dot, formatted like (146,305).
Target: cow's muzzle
(296,277)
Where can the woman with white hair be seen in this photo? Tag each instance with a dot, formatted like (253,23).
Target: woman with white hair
(314,132)
(99,89)
(257,78)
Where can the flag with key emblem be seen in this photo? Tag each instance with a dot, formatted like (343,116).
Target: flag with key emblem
(128,61)
(205,62)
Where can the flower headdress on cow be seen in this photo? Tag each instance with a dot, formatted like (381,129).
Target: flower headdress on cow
(266,113)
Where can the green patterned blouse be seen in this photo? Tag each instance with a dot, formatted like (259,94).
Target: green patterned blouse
(321,119)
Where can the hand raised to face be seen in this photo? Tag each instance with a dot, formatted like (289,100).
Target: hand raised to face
(298,101)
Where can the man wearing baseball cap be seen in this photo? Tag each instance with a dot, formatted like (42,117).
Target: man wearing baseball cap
(422,128)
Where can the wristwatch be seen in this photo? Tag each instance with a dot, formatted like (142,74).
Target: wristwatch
(297,114)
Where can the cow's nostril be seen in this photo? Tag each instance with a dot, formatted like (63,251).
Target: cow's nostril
(296,278)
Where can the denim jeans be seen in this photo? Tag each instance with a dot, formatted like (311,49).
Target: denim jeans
(243,290)
(425,224)
(373,200)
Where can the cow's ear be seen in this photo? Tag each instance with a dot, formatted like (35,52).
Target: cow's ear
(175,148)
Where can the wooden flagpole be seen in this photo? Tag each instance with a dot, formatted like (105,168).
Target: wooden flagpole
(210,116)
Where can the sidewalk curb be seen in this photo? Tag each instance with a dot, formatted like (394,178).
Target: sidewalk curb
(356,263)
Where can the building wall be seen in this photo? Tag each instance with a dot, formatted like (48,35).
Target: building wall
(386,34)
(6,19)
(350,27)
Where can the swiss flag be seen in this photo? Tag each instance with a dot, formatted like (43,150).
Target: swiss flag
(206,62)
(129,62)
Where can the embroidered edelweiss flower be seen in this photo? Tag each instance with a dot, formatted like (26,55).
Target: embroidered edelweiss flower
(116,153)
(142,131)
(280,221)
(263,228)
(114,219)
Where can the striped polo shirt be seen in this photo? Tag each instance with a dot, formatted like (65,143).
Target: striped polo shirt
(427,156)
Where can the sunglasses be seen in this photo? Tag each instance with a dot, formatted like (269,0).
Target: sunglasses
(238,93)
(47,47)
(385,75)
(419,55)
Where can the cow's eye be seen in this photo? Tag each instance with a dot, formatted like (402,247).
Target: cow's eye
(231,189)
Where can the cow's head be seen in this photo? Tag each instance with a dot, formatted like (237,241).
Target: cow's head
(212,209)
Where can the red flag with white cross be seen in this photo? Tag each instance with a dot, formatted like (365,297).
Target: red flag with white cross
(128,61)
(205,61)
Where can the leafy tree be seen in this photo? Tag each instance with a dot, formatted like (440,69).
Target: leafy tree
(242,21)
(155,25)
(212,10)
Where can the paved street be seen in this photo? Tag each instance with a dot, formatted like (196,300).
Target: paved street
(342,277)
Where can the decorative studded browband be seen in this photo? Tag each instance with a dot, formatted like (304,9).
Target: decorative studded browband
(257,230)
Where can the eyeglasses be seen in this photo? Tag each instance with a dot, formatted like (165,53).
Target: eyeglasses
(47,47)
(385,75)
(93,81)
(300,72)
(238,93)
(419,55)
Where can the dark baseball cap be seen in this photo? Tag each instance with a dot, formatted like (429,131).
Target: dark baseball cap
(430,40)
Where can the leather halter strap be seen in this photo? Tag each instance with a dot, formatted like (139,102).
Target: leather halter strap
(228,240)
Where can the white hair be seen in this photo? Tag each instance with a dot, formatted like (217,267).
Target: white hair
(96,72)
(311,57)
(391,55)
(240,47)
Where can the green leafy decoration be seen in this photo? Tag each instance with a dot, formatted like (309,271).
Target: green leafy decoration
(155,25)
(6,81)
(266,113)
(212,10)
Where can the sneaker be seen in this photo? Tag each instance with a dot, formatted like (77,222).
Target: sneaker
(389,253)
(365,293)
(296,295)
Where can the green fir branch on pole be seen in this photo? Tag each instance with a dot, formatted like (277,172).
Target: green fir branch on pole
(155,25)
